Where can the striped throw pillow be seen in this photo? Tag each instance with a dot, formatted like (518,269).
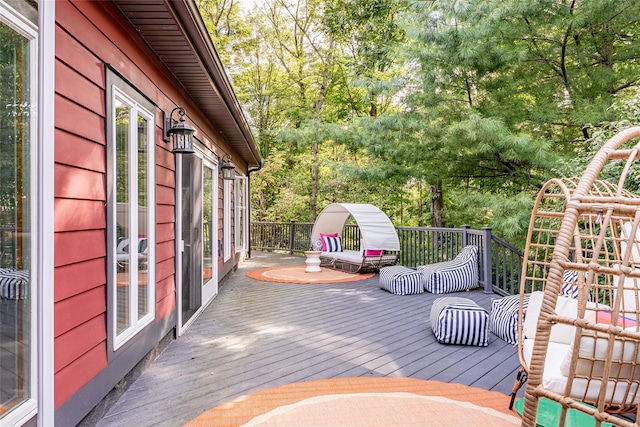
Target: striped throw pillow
(332,244)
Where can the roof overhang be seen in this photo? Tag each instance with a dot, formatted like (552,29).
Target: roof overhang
(177,33)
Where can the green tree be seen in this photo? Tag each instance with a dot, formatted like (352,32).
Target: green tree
(512,84)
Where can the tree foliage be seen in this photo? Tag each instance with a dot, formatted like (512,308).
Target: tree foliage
(439,112)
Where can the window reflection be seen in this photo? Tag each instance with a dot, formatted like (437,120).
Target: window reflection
(123,233)
(15,236)
(207,224)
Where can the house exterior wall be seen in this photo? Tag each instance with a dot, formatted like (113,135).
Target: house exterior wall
(91,36)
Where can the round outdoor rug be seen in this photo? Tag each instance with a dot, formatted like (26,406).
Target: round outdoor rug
(296,274)
(364,401)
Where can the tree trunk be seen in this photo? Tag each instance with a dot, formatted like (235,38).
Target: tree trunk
(436,205)
(313,200)
(315,167)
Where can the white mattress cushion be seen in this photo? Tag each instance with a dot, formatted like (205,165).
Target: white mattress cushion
(351,256)
(565,306)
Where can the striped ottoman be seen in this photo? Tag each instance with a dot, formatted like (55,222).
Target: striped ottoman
(401,280)
(13,283)
(457,320)
(504,317)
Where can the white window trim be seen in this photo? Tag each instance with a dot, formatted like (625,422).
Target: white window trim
(29,408)
(136,325)
(46,170)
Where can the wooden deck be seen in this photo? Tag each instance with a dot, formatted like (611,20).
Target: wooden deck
(259,334)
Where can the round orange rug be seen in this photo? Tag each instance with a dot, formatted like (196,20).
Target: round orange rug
(364,401)
(296,274)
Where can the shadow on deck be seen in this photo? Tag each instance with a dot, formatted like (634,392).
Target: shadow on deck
(256,335)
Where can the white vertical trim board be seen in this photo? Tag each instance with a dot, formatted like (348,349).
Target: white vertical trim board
(46,167)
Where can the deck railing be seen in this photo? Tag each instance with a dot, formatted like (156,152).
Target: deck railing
(499,262)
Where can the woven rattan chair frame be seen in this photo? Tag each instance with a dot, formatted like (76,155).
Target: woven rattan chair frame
(592,227)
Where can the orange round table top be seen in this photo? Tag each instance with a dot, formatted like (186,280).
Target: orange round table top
(364,401)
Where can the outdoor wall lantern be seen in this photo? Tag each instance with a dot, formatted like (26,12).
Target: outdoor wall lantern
(179,131)
(227,168)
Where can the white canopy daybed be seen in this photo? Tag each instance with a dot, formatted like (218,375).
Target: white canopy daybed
(379,244)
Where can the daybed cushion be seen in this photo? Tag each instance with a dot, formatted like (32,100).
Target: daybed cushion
(459,274)
(504,317)
(350,256)
(457,320)
(401,280)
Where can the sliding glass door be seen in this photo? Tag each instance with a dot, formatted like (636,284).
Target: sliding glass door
(198,234)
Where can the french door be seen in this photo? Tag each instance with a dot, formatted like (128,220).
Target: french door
(197,249)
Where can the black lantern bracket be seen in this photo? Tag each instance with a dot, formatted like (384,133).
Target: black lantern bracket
(178,130)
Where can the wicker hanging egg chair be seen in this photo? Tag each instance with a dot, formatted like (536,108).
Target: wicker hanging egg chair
(579,339)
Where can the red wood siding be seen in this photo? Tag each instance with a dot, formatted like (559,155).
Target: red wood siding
(73,150)
(74,215)
(74,311)
(75,119)
(165,269)
(80,277)
(78,341)
(164,179)
(165,250)
(88,36)
(165,288)
(165,214)
(164,195)
(77,88)
(166,159)
(77,183)
(79,246)
(71,51)
(78,373)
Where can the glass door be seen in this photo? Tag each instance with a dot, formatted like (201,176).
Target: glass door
(191,234)
(209,233)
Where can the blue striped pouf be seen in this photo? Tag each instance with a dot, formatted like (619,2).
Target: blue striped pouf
(13,283)
(457,320)
(401,280)
(504,317)
(459,274)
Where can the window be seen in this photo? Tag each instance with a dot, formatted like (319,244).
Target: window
(131,203)
(18,363)
(208,228)
(226,219)
(241,214)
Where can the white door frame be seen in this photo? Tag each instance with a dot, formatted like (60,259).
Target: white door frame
(209,290)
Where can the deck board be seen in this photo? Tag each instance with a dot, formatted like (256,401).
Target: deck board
(257,335)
